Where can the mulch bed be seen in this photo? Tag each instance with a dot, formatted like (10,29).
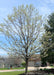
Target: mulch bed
(49,71)
(40,72)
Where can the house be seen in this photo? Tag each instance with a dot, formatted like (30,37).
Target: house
(35,60)
(1,63)
(10,62)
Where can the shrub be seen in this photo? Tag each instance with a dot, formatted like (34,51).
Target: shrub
(51,64)
(23,64)
(40,69)
(45,69)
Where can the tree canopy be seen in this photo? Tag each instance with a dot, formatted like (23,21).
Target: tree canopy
(48,40)
(22,29)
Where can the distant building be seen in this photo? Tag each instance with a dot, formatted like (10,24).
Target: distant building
(10,62)
(35,60)
(1,63)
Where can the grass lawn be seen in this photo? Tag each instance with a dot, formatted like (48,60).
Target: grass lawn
(12,73)
(50,74)
(12,68)
(15,73)
(52,66)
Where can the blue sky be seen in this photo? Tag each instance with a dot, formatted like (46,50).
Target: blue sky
(44,6)
(6,7)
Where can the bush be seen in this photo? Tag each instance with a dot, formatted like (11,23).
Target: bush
(44,64)
(40,69)
(23,64)
(45,69)
(51,64)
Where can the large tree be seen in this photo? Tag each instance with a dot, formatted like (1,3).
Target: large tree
(22,29)
(48,41)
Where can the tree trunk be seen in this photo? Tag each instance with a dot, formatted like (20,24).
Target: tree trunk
(26,69)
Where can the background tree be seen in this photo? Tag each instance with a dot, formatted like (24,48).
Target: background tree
(22,29)
(48,41)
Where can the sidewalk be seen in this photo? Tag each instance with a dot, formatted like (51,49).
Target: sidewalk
(12,70)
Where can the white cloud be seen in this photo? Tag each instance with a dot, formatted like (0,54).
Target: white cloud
(3,9)
(49,1)
(2,52)
(52,1)
(46,7)
(44,10)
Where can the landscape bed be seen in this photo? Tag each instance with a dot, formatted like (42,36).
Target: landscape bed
(41,72)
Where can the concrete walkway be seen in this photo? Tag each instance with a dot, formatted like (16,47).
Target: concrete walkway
(12,70)
(35,68)
(29,68)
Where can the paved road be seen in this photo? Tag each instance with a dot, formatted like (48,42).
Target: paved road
(29,68)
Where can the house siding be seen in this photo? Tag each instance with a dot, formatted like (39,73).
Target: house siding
(31,64)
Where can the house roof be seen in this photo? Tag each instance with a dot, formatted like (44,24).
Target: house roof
(35,57)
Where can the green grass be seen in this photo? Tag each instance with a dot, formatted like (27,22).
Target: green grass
(52,66)
(11,73)
(12,68)
(15,73)
(50,74)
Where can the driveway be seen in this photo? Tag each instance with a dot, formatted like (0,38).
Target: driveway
(35,68)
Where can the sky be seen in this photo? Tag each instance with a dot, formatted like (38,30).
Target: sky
(45,7)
